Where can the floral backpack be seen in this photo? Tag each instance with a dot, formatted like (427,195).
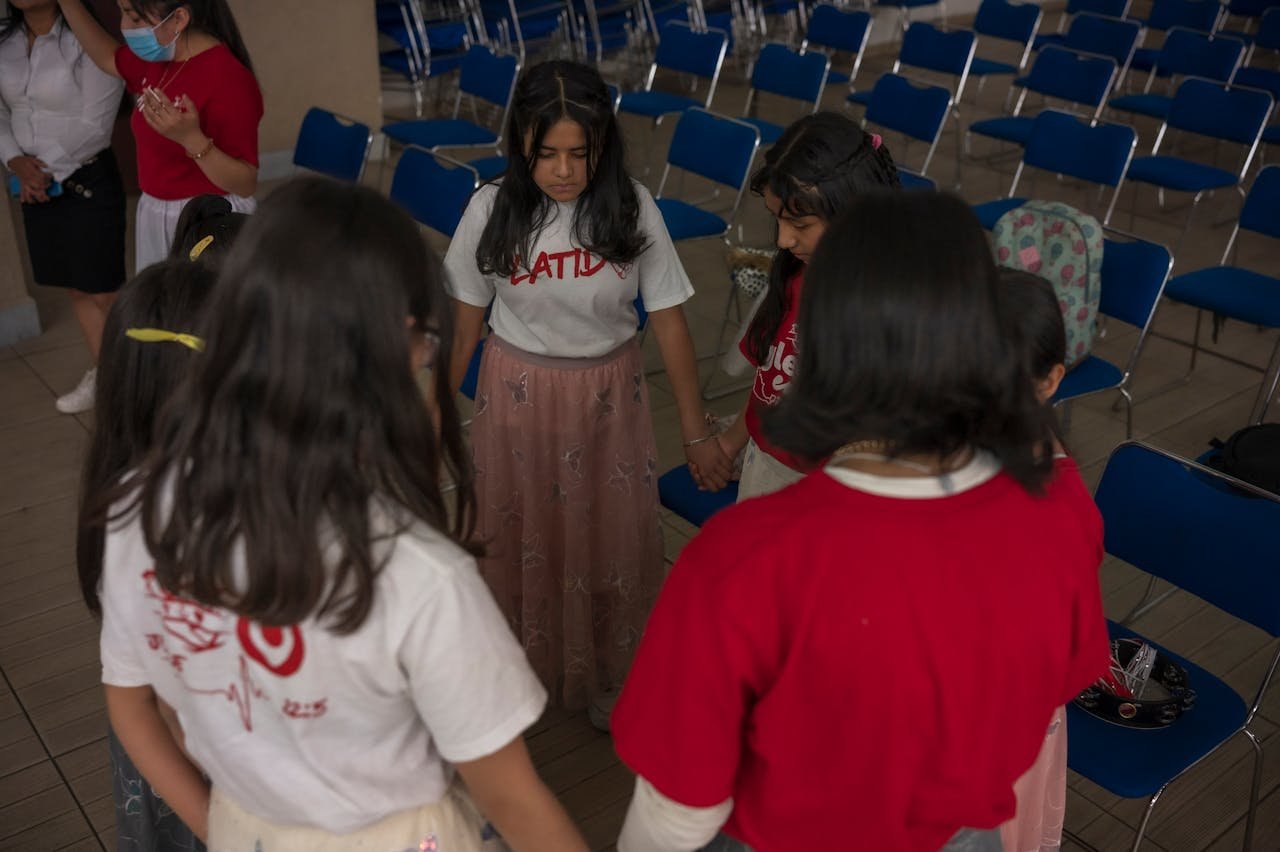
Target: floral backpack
(1064,246)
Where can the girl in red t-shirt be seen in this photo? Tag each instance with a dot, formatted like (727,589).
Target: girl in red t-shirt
(196,125)
(814,171)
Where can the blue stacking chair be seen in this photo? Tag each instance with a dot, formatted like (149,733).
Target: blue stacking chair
(485,76)
(1197,15)
(928,48)
(1213,537)
(396,19)
(687,51)
(917,112)
(1186,54)
(839,31)
(1267,38)
(714,147)
(1134,273)
(1016,23)
(1249,10)
(781,71)
(1238,293)
(1213,111)
(1062,144)
(1059,74)
(332,145)
(904,8)
(1114,9)
(433,193)
(516,25)
(678,493)
(1093,35)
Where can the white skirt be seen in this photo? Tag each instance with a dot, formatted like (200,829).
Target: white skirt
(156,222)
(763,474)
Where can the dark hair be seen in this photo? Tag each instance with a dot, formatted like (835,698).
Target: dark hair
(212,17)
(819,165)
(900,340)
(302,439)
(606,220)
(134,381)
(202,217)
(16,19)
(1032,317)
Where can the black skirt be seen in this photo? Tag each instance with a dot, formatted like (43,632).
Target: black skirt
(77,239)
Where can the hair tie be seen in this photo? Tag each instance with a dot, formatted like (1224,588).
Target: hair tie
(875,141)
(198,248)
(159,335)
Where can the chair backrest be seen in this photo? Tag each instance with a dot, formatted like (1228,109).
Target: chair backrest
(1062,143)
(1218,111)
(434,195)
(1068,76)
(1193,54)
(1108,8)
(1134,273)
(1101,36)
(489,76)
(916,111)
(1199,529)
(1249,8)
(1268,34)
(780,70)
(332,145)
(713,146)
(1199,15)
(946,52)
(691,52)
(1015,22)
(839,29)
(1261,211)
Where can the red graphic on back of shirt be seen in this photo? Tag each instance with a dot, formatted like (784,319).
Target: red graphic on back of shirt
(194,625)
(277,649)
(559,264)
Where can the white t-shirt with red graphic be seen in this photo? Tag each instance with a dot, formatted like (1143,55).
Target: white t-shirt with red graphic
(567,303)
(302,726)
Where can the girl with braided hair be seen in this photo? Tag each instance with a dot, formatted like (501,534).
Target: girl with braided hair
(810,176)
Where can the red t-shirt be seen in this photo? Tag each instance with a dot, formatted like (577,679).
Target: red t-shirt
(230,105)
(773,376)
(847,665)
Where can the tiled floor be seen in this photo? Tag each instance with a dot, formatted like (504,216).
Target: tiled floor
(54,790)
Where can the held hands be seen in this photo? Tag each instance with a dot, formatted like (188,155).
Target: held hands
(34,178)
(711,468)
(177,120)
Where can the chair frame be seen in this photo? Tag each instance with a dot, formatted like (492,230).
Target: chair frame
(807,42)
(368,142)
(442,159)
(1252,709)
(1026,51)
(752,90)
(714,79)
(937,136)
(742,186)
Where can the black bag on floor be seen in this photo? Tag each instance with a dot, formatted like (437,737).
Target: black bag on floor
(1251,455)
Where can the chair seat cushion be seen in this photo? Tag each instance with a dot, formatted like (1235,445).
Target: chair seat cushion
(986,67)
(1267,79)
(677,492)
(686,222)
(655,104)
(1239,293)
(989,212)
(1136,763)
(863,97)
(1089,375)
(769,132)
(435,132)
(1271,135)
(837,78)
(1011,128)
(1144,59)
(1048,39)
(489,168)
(1155,106)
(911,180)
(1177,173)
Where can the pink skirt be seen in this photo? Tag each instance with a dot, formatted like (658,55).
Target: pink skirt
(567,486)
(1042,795)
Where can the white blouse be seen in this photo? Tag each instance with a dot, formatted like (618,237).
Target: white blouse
(55,104)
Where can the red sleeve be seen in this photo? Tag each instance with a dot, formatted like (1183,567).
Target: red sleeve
(680,720)
(231,118)
(134,70)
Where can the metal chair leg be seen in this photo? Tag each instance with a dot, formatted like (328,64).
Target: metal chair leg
(1253,789)
(1146,817)
(1268,390)
(1128,413)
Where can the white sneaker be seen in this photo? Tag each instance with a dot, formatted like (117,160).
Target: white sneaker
(81,399)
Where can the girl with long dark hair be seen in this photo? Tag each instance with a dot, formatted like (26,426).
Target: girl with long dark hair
(198,106)
(284,570)
(870,658)
(566,464)
(810,176)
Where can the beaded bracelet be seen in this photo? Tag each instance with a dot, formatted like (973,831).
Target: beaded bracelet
(201,155)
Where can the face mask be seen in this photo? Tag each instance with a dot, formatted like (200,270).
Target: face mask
(143,42)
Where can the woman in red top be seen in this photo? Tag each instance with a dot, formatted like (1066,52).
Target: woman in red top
(869,659)
(196,125)
(814,171)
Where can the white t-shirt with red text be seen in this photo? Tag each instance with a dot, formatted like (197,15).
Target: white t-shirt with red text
(301,726)
(569,302)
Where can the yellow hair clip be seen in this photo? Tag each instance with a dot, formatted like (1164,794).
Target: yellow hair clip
(198,248)
(159,335)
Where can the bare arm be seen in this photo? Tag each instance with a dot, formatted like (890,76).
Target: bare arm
(468,322)
(508,791)
(710,468)
(136,718)
(733,439)
(180,122)
(96,41)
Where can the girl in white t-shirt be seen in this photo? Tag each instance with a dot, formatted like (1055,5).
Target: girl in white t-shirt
(283,571)
(565,461)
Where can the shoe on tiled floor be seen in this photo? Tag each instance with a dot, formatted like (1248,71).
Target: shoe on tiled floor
(80,400)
